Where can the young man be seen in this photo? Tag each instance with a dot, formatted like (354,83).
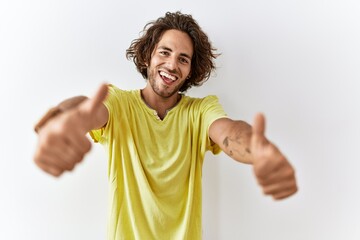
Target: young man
(156,137)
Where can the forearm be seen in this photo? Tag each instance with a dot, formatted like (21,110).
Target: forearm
(233,137)
(60,108)
(248,144)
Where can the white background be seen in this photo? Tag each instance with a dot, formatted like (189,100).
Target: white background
(296,61)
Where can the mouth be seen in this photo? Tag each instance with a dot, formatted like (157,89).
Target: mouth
(167,77)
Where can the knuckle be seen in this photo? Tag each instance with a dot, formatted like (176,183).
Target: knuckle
(80,158)
(260,170)
(261,181)
(69,167)
(49,139)
(257,170)
(266,191)
(61,128)
(282,159)
(36,158)
(76,157)
(39,157)
(291,172)
(278,197)
(38,162)
(72,166)
(272,150)
(260,176)
(57,173)
(87,146)
(41,152)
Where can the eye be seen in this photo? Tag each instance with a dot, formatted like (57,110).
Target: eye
(164,53)
(184,60)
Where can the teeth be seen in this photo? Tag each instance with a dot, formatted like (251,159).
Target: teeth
(173,78)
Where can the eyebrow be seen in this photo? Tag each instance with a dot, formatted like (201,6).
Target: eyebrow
(170,50)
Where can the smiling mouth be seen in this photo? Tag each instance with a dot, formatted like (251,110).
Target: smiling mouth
(167,78)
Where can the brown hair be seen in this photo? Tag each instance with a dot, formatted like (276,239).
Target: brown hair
(202,63)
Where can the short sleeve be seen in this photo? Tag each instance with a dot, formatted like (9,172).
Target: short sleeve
(212,111)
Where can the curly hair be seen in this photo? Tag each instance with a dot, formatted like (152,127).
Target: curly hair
(202,63)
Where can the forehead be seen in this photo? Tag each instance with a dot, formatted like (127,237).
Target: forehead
(177,41)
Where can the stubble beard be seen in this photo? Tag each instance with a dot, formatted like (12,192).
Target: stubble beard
(165,92)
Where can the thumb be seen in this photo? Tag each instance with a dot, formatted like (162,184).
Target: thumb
(258,131)
(259,125)
(92,104)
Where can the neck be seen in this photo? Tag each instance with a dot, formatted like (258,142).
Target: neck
(160,104)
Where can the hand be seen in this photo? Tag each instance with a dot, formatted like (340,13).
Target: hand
(273,171)
(62,140)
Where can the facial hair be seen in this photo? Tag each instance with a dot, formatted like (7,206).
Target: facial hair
(166,92)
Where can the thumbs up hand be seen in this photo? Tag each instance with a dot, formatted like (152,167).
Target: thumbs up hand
(62,141)
(273,171)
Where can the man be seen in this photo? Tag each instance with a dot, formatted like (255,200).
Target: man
(156,137)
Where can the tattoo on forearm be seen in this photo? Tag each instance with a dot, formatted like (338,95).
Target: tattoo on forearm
(226,142)
(234,145)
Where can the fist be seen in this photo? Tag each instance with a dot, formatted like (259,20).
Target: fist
(61,144)
(62,140)
(273,171)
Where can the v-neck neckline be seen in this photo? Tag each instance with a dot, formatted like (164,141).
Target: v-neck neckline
(153,111)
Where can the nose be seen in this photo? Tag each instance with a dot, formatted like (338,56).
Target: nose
(172,63)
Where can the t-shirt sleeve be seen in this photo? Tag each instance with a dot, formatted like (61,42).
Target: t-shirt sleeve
(212,110)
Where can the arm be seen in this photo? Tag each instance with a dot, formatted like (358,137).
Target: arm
(62,141)
(248,144)
(233,137)
(64,106)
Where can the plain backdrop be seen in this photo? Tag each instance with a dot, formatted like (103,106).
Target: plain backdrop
(298,62)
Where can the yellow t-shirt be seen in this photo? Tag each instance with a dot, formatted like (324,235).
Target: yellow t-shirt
(155,166)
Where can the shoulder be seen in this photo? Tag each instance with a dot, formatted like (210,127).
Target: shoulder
(201,100)
(119,98)
(116,90)
(199,103)
(117,93)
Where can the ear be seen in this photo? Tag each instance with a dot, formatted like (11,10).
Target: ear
(189,76)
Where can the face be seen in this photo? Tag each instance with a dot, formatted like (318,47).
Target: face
(170,63)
